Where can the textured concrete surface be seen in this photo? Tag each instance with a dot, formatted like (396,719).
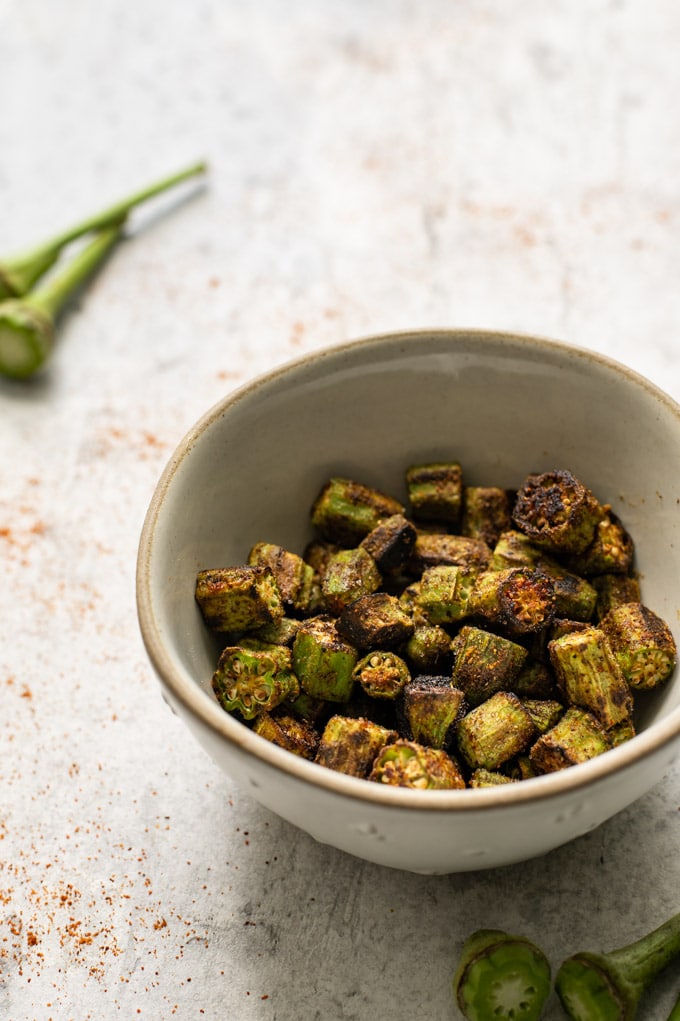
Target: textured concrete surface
(373,166)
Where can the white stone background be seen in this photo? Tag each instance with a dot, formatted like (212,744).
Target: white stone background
(374,165)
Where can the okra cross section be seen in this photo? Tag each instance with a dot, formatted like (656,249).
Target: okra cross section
(642,644)
(519,600)
(408,764)
(557,512)
(251,681)
(382,674)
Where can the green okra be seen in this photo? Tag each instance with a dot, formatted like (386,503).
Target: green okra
(495,732)
(621,732)
(382,674)
(279,632)
(484,663)
(435,491)
(432,549)
(350,573)
(614,590)
(576,737)
(431,708)
(238,598)
(444,593)
(408,601)
(391,543)
(589,675)
(408,764)
(557,512)
(345,511)
(428,650)
(544,712)
(306,707)
(489,778)
(642,644)
(487,512)
(351,744)
(501,977)
(610,986)
(251,681)
(611,552)
(518,600)
(323,661)
(375,621)
(294,734)
(292,575)
(535,679)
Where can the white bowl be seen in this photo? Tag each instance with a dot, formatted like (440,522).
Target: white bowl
(503,405)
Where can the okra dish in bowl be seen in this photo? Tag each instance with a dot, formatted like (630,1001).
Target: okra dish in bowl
(417,593)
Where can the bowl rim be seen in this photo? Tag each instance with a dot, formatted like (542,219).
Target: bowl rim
(181,689)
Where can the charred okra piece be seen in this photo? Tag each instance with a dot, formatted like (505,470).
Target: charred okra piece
(611,551)
(238,598)
(621,732)
(376,621)
(642,643)
(382,674)
(323,661)
(251,681)
(495,732)
(590,677)
(519,600)
(431,708)
(408,764)
(391,543)
(614,590)
(544,712)
(434,548)
(345,512)
(349,574)
(292,575)
(574,596)
(306,707)
(428,650)
(487,512)
(501,977)
(535,680)
(489,778)
(350,744)
(484,663)
(295,735)
(557,512)
(317,554)
(444,593)
(575,738)
(435,491)
(281,632)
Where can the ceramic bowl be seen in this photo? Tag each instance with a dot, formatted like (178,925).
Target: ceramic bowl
(503,405)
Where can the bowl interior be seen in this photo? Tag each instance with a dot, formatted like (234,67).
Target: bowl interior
(502,405)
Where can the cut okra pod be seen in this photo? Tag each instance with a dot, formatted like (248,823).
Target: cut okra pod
(351,744)
(428,650)
(345,512)
(557,512)
(292,575)
(544,712)
(642,644)
(323,661)
(431,707)
(611,551)
(574,596)
(575,738)
(501,977)
(349,574)
(432,549)
(519,600)
(375,621)
(295,735)
(408,764)
(391,543)
(444,593)
(435,491)
(487,512)
(495,732)
(382,674)
(481,778)
(589,675)
(238,598)
(614,590)
(484,663)
(251,681)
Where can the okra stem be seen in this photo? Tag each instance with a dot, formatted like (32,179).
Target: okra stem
(608,987)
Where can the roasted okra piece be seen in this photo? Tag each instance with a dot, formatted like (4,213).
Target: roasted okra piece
(292,575)
(575,738)
(535,680)
(589,675)
(251,681)
(484,663)
(489,778)
(323,661)
(428,650)
(382,674)
(281,632)
(614,590)
(519,600)
(642,643)
(487,512)
(575,597)
(345,512)
(375,621)
(391,543)
(349,574)
(433,549)
(295,735)
(317,554)
(408,764)
(611,551)
(431,707)
(444,593)
(495,732)
(435,491)
(544,712)
(557,512)
(350,744)
(238,598)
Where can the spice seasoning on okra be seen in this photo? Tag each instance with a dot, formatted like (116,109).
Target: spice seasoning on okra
(468,637)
